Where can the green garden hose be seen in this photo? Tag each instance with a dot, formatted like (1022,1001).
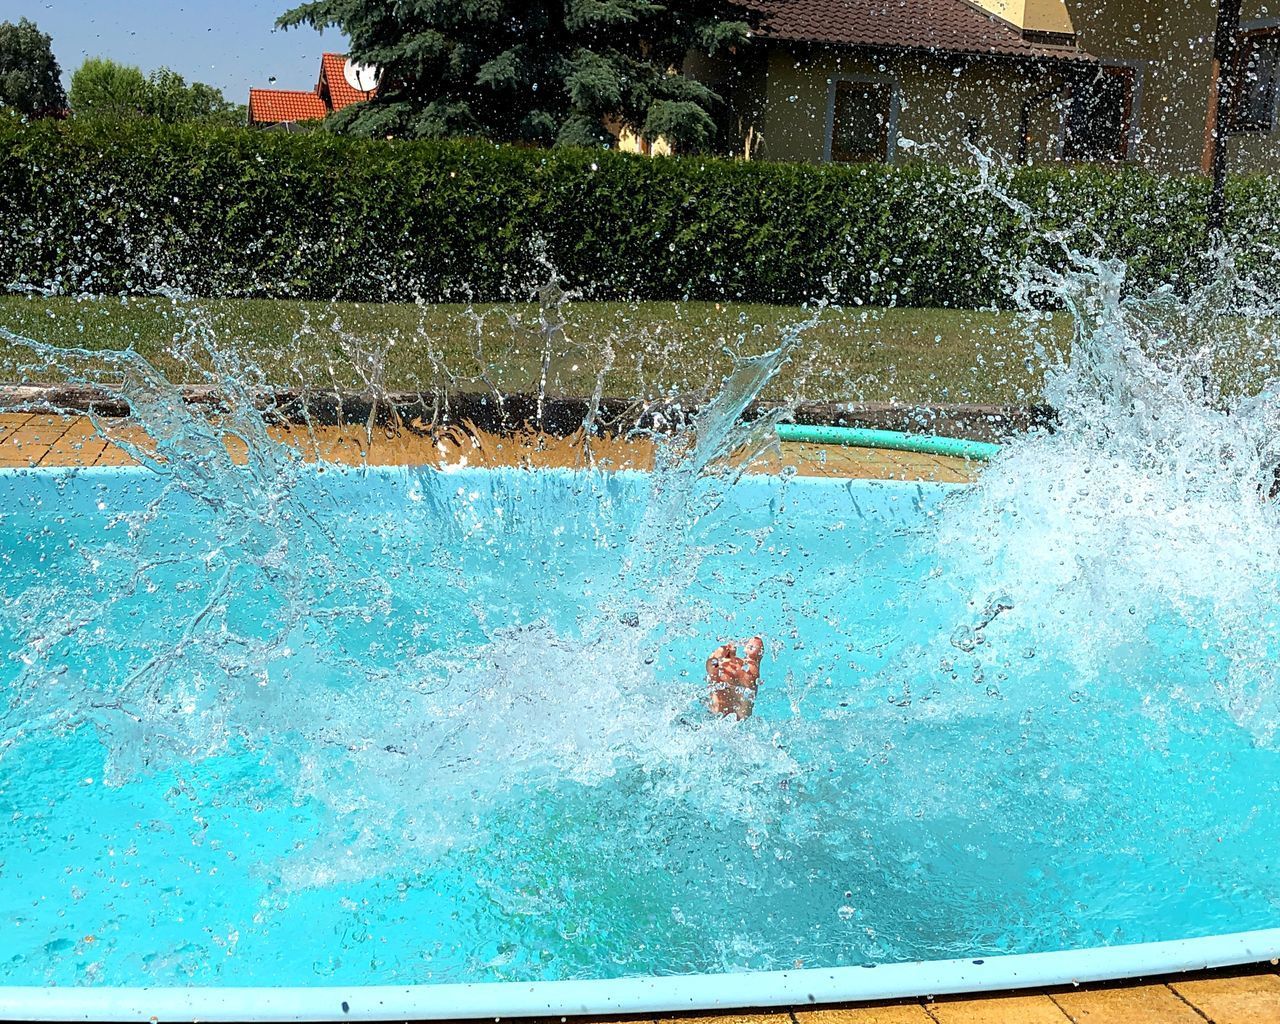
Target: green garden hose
(858,437)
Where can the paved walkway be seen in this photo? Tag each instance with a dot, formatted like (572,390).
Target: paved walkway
(1242,996)
(44,439)
(1235,997)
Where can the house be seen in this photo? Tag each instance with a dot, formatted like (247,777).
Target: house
(1029,80)
(342,82)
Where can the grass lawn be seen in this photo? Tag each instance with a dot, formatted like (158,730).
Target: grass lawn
(642,349)
(649,348)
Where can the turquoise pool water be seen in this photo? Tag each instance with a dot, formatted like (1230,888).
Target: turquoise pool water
(409,727)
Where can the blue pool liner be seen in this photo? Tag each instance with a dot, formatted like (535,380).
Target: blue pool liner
(678,993)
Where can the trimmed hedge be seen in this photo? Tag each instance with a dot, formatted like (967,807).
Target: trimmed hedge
(91,207)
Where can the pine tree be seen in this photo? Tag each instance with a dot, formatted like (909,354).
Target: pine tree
(533,71)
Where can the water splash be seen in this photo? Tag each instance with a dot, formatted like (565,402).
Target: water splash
(1142,520)
(473,683)
(258,608)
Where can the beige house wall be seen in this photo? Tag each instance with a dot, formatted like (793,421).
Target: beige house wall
(1032,15)
(1171,45)
(944,101)
(944,104)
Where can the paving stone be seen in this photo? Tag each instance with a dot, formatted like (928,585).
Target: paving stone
(29,443)
(79,445)
(42,439)
(1128,1005)
(113,455)
(641,1019)
(730,1018)
(1253,999)
(1032,1009)
(11,421)
(897,1013)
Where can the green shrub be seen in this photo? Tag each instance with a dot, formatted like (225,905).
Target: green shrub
(139,206)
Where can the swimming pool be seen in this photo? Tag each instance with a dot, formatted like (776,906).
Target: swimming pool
(424,730)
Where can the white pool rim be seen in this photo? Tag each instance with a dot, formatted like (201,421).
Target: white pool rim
(815,986)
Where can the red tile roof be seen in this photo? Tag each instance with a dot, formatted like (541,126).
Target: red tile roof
(332,92)
(951,25)
(340,93)
(273,106)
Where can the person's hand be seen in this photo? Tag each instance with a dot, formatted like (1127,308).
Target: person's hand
(734,680)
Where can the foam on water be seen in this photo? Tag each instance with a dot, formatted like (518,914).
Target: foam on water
(1143,522)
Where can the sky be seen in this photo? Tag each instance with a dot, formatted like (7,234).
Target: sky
(228,43)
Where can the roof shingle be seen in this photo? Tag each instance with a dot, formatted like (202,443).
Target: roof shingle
(950,25)
(275,106)
(332,92)
(332,66)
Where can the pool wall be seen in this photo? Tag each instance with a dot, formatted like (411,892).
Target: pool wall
(872,982)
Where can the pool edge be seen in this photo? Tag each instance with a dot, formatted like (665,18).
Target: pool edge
(806,987)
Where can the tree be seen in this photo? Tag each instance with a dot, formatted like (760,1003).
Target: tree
(103,88)
(171,99)
(30,79)
(539,71)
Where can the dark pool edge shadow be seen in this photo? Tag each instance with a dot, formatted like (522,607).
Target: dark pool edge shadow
(561,415)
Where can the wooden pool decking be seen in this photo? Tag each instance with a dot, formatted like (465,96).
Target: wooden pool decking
(1246,995)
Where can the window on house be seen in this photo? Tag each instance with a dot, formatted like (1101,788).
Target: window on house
(1100,115)
(861,121)
(1258,86)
